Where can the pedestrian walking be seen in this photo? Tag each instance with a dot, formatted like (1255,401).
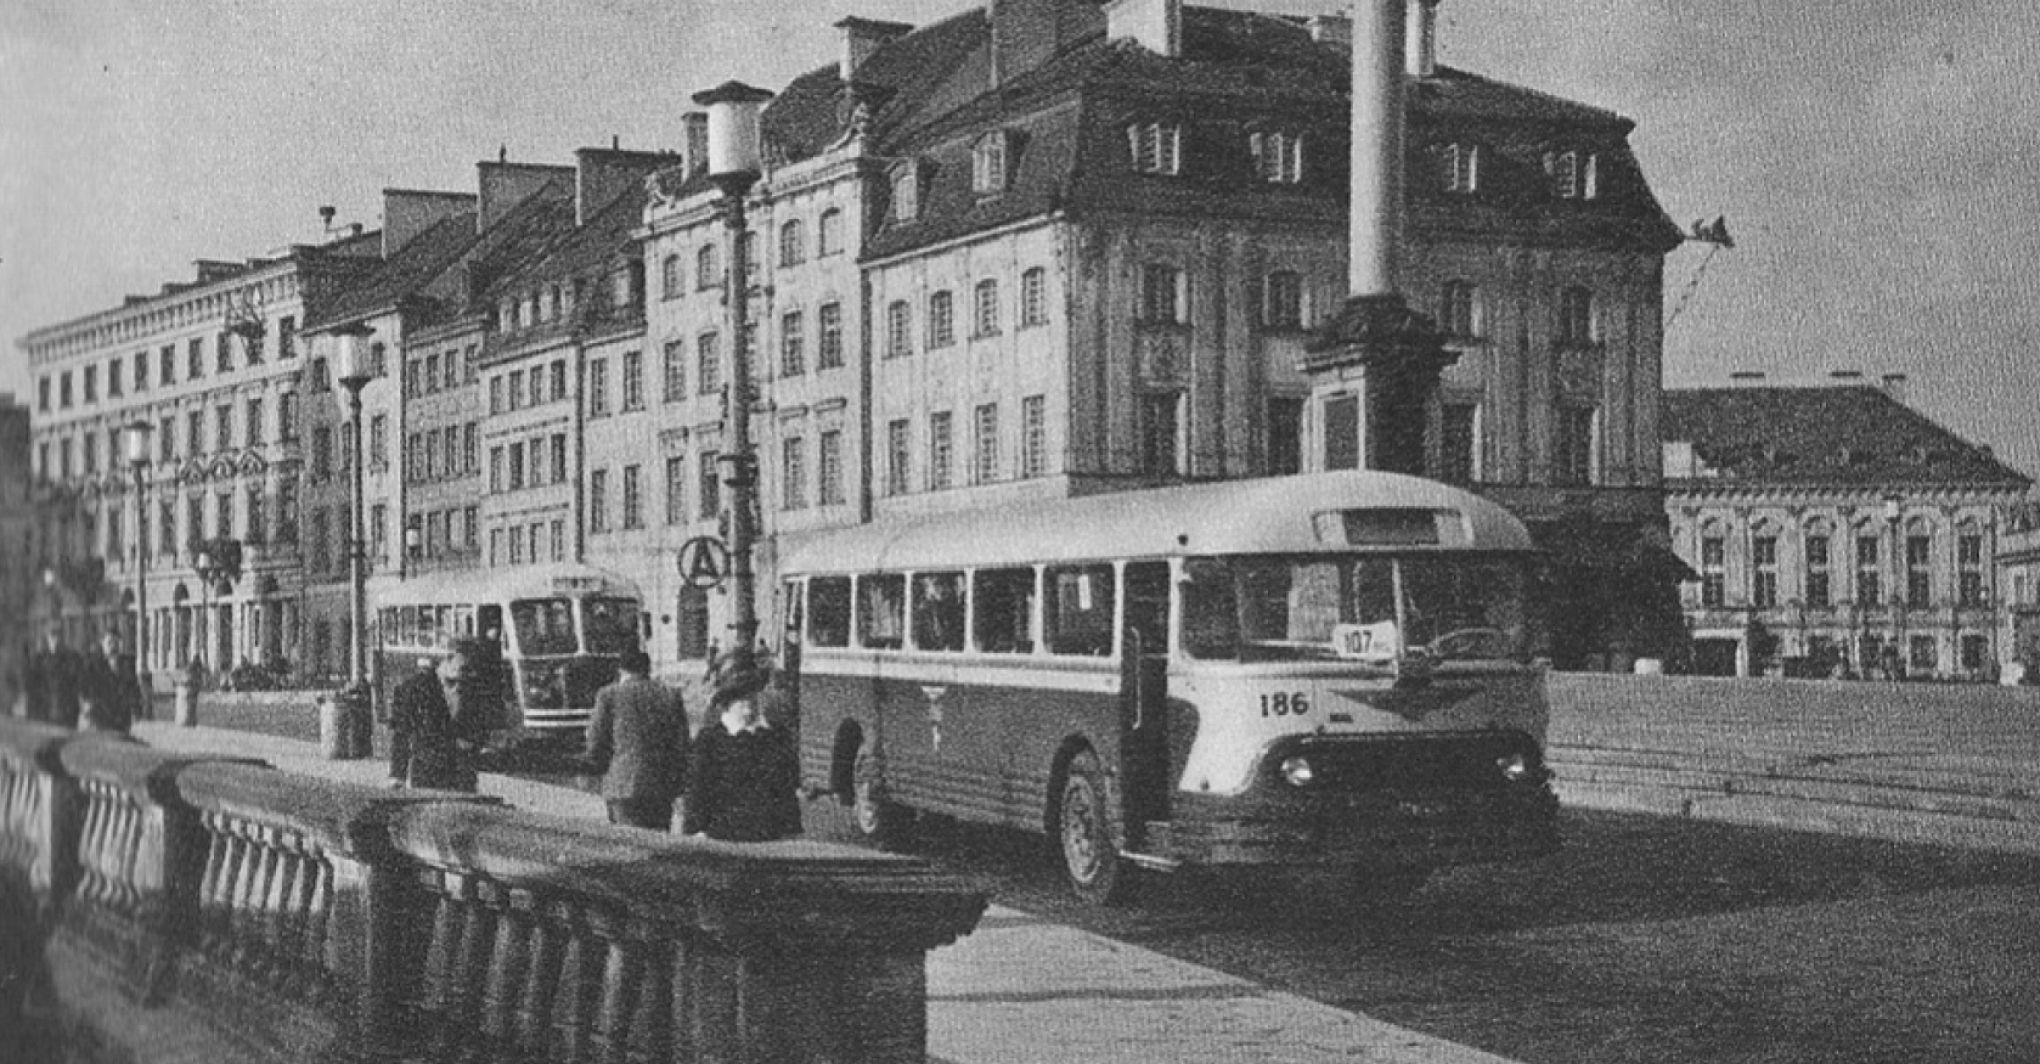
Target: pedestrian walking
(637,740)
(109,694)
(438,723)
(744,777)
(53,675)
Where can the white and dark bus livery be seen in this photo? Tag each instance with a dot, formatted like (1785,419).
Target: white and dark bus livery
(1327,670)
(560,629)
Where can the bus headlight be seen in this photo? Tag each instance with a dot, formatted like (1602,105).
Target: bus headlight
(1297,771)
(1515,767)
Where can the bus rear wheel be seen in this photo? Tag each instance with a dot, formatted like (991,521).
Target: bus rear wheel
(1085,836)
(878,820)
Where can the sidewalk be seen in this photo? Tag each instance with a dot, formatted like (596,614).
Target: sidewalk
(1019,989)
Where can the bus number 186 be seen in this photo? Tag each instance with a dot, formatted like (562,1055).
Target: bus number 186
(1285,704)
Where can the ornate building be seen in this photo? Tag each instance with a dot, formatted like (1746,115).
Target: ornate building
(1834,528)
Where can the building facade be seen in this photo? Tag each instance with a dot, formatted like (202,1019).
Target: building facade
(210,368)
(1835,531)
(2018,588)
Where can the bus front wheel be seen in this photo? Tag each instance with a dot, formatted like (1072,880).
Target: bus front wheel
(1084,832)
(879,821)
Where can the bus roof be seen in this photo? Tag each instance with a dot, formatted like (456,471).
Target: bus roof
(1269,515)
(507,585)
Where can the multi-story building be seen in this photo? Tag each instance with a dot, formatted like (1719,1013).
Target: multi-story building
(20,581)
(1834,530)
(210,367)
(2018,588)
(1040,250)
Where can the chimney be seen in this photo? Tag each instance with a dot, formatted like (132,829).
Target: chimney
(600,175)
(1028,33)
(1420,46)
(1374,232)
(1331,29)
(406,214)
(863,36)
(694,127)
(1156,25)
(1894,386)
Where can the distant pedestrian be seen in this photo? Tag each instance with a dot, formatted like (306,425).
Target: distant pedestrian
(637,739)
(743,781)
(438,723)
(53,675)
(108,691)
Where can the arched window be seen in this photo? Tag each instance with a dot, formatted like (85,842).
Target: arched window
(1033,297)
(899,329)
(1713,566)
(1817,554)
(829,235)
(669,277)
(792,243)
(1575,326)
(1459,311)
(1282,300)
(707,267)
(985,306)
(941,320)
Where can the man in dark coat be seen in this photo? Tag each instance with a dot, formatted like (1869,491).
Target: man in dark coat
(109,693)
(53,676)
(436,726)
(637,738)
(743,783)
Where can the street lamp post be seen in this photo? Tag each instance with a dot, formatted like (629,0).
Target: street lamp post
(733,165)
(207,573)
(1894,507)
(138,460)
(352,706)
(53,601)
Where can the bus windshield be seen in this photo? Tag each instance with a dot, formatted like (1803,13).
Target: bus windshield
(1373,609)
(610,624)
(544,626)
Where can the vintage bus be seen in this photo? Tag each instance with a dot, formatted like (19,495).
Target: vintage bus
(560,629)
(1329,670)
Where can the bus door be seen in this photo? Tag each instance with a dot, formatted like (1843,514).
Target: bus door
(789,659)
(1144,698)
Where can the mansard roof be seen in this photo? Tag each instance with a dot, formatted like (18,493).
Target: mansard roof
(1845,436)
(415,265)
(1238,72)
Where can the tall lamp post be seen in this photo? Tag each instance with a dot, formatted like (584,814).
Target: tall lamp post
(1894,508)
(138,461)
(733,165)
(207,573)
(351,728)
(54,601)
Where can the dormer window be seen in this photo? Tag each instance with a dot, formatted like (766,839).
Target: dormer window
(1459,311)
(988,162)
(1278,156)
(1573,174)
(1155,147)
(906,192)
(1459,168)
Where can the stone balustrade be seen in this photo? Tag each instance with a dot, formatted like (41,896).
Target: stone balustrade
(291,918)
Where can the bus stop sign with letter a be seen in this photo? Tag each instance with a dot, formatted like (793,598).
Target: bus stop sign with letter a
(704,562)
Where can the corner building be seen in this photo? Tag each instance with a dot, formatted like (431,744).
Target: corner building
(1043,249)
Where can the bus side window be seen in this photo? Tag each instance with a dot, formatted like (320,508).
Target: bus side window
(1002,610)
(1077,610)
(828,611)
(407,626)
(938,611)
(881,611)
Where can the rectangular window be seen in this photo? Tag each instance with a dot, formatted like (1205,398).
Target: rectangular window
(988,164)
(496,469)
(985,456)
(829,468)
(985,308)
(676,371)
(91,384)
(1819,593)
(496,394)
(829,326)
(224,519)
(515,398)
(598,387)
(708,364)
(1713,572)
(1764,572)
(431,382)
(1459,443)
(166,365)
(1033,297)
(1342,432)
(940,451)
(1153,147)
(1164,294)
(287,417)
(881,611)
(633,380)
(114,381)
(1573,451)
(517,465)
(469,524)
(1923,655)
(937,606)
(1575,317)
(1919,571)
(194,358)
(899,329)
(1869,571)
(141,371)
(1282,300)
(1076,610)
(676,490)
(1161,434)
(559,457)
(1002,611)
(286,338)
(223,351)
(828,611)
(194,432)
(1975,653)
(793,473)
(1969,570)
(166,535)
(1033,437)
(598,501)
(941,320)
(559,380)
(792,353)
(1460,168)
(516,546)
(166,440)
(1278,156)
(897,457)
(708,486)
(633,497)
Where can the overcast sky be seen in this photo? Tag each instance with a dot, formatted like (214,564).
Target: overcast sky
(1878,160)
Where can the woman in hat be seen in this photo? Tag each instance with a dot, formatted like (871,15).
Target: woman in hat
(743,782)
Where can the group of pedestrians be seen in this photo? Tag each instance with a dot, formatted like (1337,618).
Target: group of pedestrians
(97,691)
(737,778)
